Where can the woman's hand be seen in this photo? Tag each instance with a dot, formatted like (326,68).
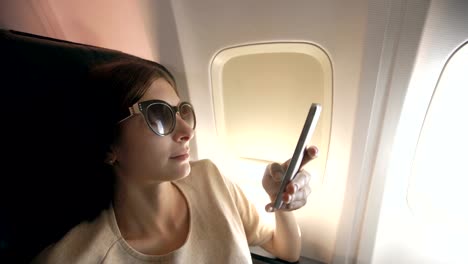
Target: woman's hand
(296,192)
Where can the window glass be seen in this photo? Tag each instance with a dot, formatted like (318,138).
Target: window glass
(438,188)
(262,94)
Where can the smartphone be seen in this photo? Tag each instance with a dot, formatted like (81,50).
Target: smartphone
(296,160)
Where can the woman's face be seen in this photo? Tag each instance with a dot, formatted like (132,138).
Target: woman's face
(143,156)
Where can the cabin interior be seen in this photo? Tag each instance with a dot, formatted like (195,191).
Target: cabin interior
(391,76)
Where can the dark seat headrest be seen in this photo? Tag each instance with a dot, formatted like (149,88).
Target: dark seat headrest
(47,183)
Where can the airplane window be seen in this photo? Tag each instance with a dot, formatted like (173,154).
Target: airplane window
(439,179)
(262,94)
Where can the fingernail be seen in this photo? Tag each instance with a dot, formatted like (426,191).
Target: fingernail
(316,151)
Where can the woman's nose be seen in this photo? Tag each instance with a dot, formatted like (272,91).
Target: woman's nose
(182,131)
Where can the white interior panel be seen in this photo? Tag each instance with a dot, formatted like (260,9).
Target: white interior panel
(437,187)
(261,96)
(401,234)
(207,27)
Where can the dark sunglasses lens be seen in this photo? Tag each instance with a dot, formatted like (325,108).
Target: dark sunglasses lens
(160,118)
(187,114)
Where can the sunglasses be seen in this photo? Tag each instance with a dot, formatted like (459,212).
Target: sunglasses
(161,116)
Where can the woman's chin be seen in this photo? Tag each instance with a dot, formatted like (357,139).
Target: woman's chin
(182,170)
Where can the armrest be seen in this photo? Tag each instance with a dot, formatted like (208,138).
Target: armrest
(258,259)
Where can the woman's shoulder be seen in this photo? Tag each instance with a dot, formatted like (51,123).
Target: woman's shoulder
(84,243)
(203,164)
(206,171)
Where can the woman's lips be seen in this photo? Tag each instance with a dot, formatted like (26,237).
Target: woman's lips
(181,157)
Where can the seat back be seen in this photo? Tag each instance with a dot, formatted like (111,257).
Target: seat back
(49,181)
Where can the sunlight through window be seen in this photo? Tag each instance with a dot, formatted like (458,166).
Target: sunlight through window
(439,181)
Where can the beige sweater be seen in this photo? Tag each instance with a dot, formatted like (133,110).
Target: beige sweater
(223,223)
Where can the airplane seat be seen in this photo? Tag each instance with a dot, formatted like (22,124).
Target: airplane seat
(51,176)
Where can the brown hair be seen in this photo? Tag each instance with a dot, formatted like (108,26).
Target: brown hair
(122,83)
(111,89)
(129,79)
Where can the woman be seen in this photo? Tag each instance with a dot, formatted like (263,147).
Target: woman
(166,209)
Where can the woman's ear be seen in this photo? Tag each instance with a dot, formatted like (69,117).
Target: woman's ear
(111,156)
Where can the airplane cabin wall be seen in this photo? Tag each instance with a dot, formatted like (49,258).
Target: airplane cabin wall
(111,24)
(339,27)
(424,75)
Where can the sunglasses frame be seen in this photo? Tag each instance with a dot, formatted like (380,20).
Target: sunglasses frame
(142,108)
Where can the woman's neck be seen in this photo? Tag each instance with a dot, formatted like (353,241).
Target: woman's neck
(143,211)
